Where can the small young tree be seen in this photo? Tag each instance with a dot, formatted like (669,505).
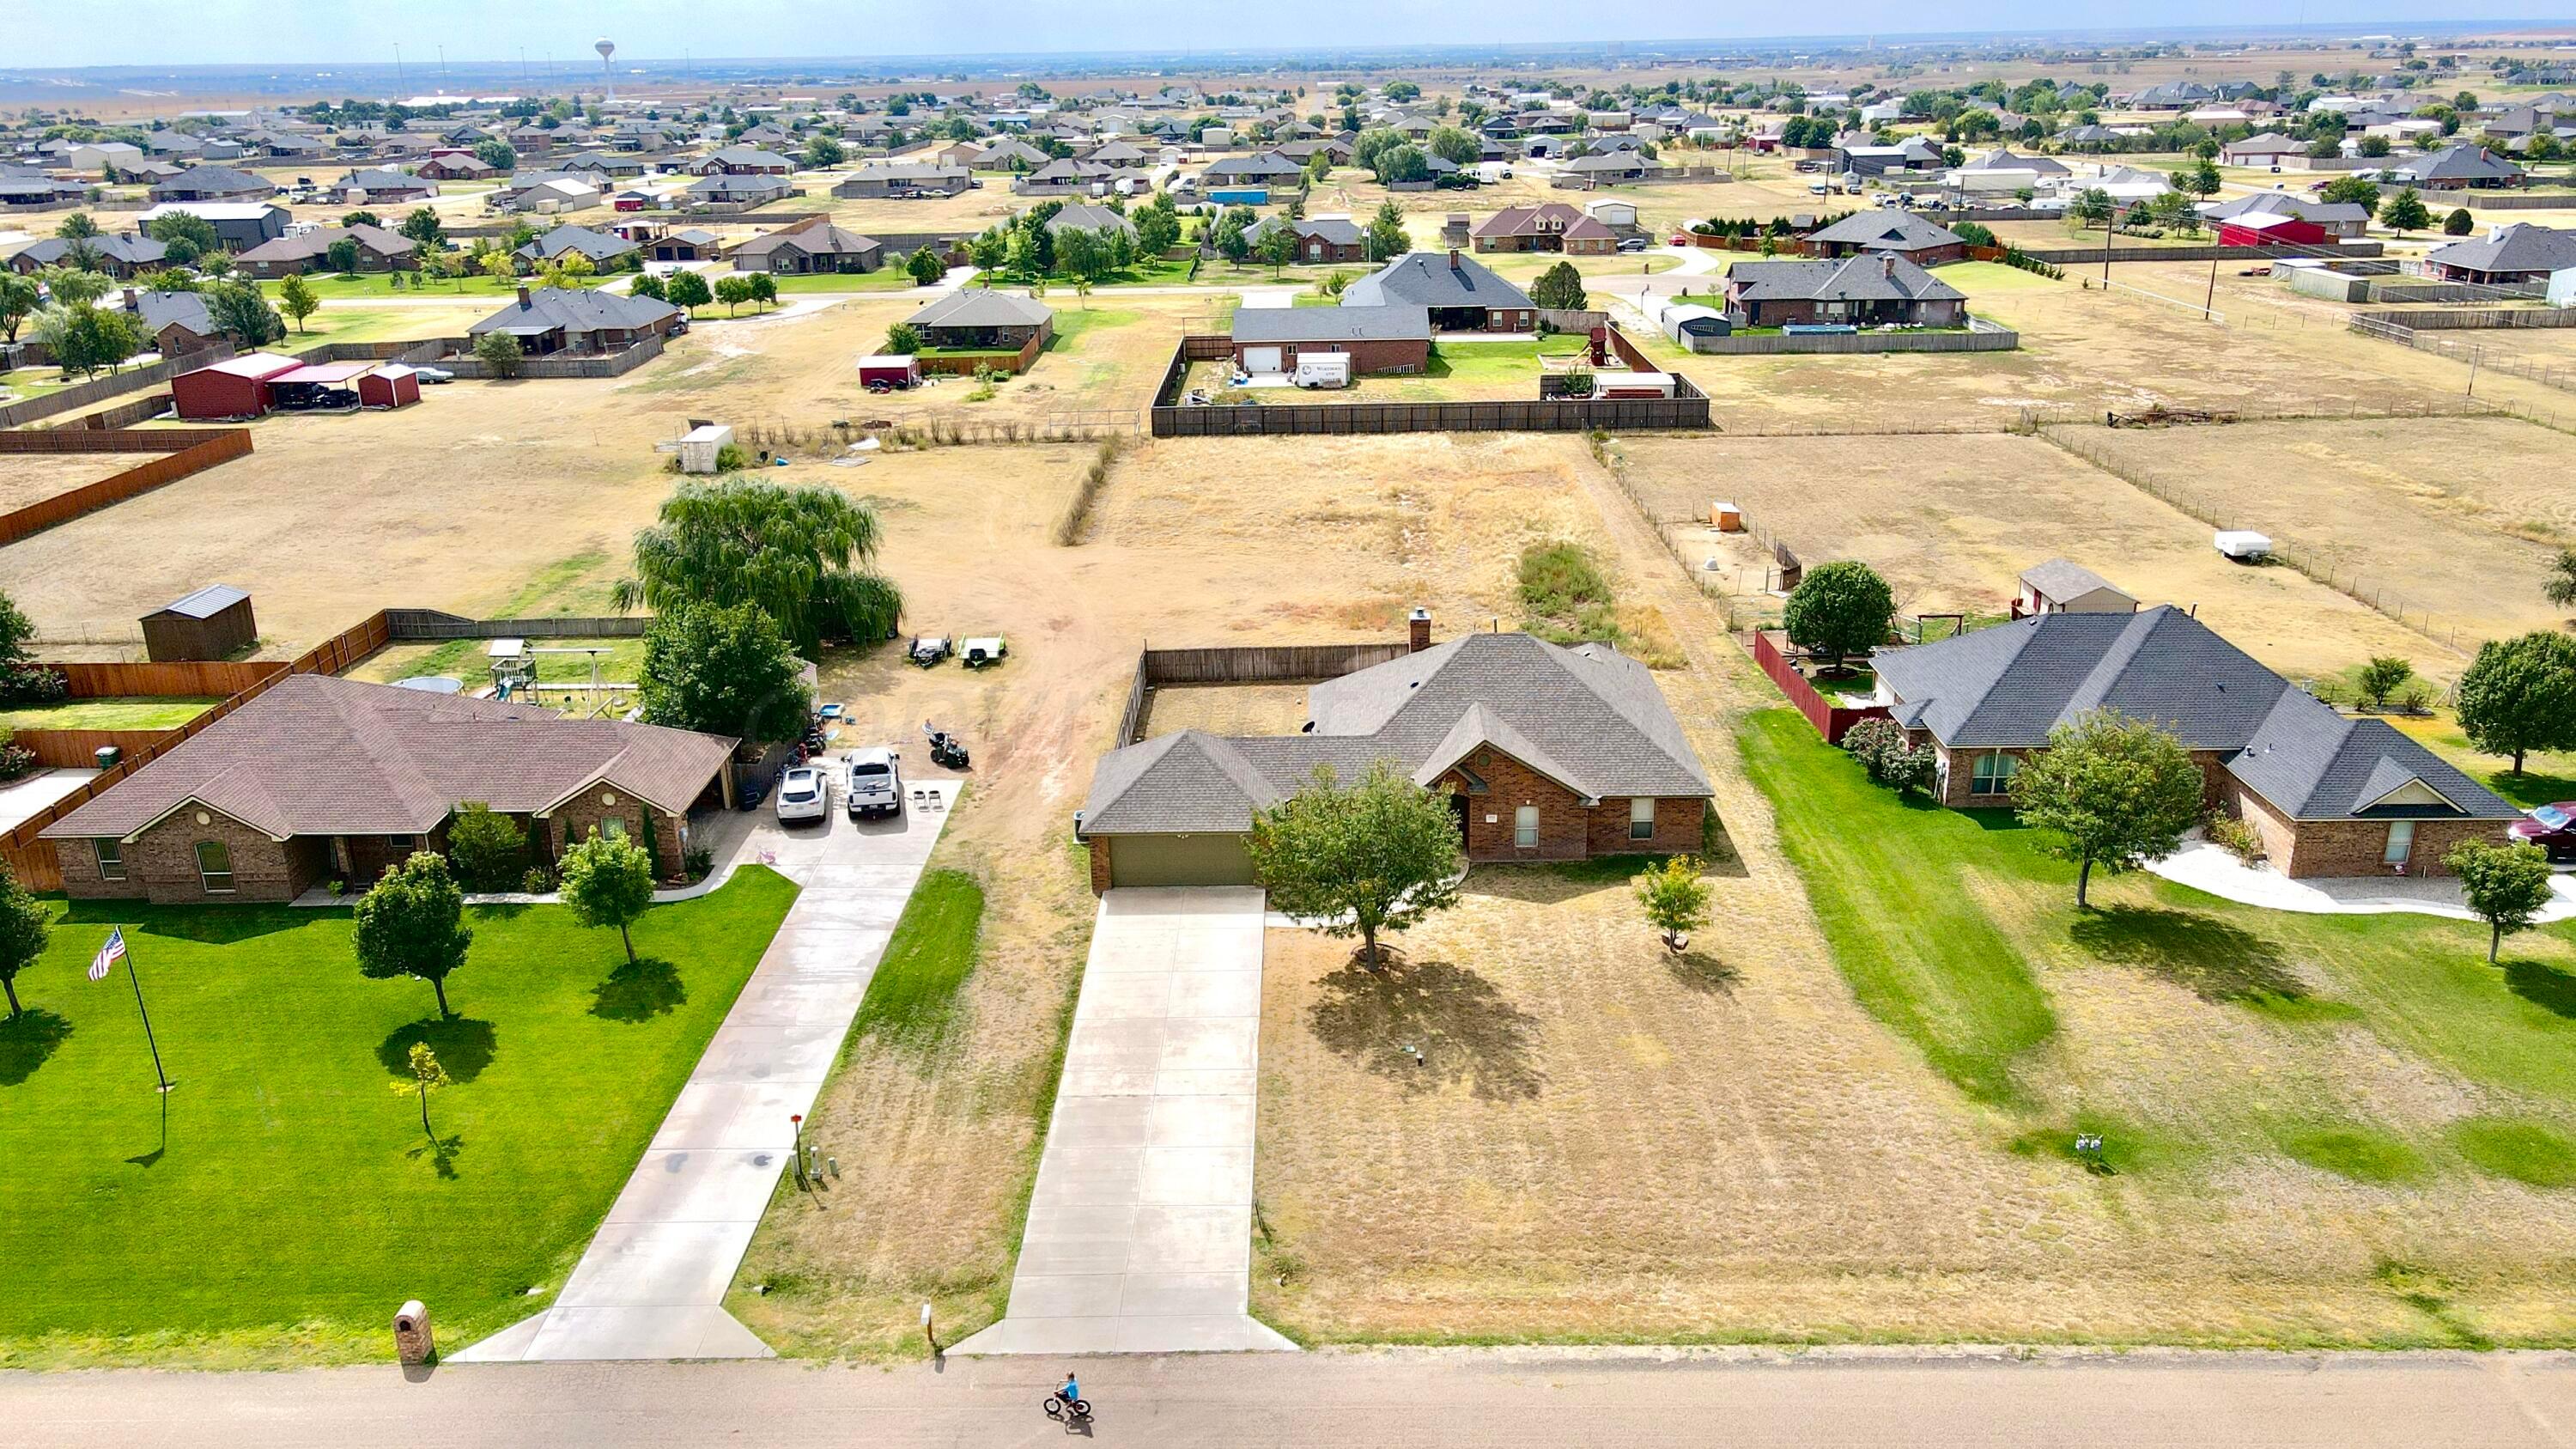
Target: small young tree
(649,285)
(2560,587)
(423,1075)
(2405,212)
(1559,289)
(903,339)
(488,849)
(608,881)
(20,296)
(295,298)
(2117,792)
(239,311)
(2459,222)
(764,289)
(924,266)
(2383,676)
(93,338)
(1374,857)
(500,352)
(1278,247)
(1386,238)
(424,227)
(25,925)
(1674,899)
(412,923)
(2505,885)
(1838,610)
(686,290)
(733,289)
(2519,695)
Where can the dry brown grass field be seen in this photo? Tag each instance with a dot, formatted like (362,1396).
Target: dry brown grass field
(32,477)
(1226,709)
(2456,516)
(1952,520)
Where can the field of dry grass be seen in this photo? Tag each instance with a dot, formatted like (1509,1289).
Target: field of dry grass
(1951,521)
(33,477)
(1226,709)
(2458,517)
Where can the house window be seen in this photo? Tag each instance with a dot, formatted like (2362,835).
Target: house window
(111,859)
(614,827)
(215,867)
(1641,818)
(1525,827)
(1993,774)
(401,846)
(2401,842)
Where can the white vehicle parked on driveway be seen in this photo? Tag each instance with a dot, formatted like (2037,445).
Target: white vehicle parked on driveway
(875,786)
(803,794)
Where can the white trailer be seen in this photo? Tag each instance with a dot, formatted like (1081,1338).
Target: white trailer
(700,447)
(1323,369)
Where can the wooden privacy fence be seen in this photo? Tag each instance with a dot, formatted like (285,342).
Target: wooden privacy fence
(2076,256)
(1244,664)
(436,624)
(1534,416)
(82,394)
(1829,718)
(78,749)
(33,860)
(170,678)
(197,449)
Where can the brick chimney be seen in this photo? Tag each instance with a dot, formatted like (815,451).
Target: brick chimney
(129,299)
(1453,261)
(1887,264)
(523,296)
(1418,630)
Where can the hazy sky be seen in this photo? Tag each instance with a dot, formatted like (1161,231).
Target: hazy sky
(109,32)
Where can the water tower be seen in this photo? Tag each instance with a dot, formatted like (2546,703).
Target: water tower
(606,48)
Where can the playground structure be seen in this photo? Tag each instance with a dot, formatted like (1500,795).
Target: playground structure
(514,676)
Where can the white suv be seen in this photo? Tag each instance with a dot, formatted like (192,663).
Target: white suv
(803,795)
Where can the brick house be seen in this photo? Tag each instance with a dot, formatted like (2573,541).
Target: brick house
(1461,293)
(2330,796)
(1861,291)
(1319,239)
(379,250)
(817,246)
(905,179)
(1880,231)
(320,778)
(121,257)
(581,320)
(1550,226)
(2517,253)
(1380,340)
(1544,753)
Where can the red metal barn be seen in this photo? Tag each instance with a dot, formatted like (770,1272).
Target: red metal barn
(2262,229)
(390,386)
(236,387)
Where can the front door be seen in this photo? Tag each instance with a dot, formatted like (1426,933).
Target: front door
(1458,811)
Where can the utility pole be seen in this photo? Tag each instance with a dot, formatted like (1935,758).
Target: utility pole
(399,83)
(2211,301)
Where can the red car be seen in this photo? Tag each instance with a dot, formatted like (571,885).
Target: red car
(2551,827)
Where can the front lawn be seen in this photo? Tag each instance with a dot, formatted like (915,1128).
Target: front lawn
(883,279)
(135,712)
(1153,272)
(283,1199)
(374,286)
(2547,776)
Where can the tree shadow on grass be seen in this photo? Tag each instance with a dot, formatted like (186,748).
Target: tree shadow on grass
(2213,960)
(1462,1028)
(464,1046)
(2546,987)
(1701,972)
(27,1041)
(639,990)
(441,1152)
(209,925)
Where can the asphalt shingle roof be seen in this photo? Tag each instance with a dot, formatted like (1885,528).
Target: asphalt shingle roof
(1871,277)
(2521,247)
(1435,279)
(1394,323)
(576,310)
(1889,231)
(981,307)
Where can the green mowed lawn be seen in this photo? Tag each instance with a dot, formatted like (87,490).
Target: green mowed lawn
(290,1200)
(333,287)
(136,712)
(1958,931)
(883,279)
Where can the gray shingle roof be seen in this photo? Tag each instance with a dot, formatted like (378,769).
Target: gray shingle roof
(598,246)
(1887,231)
(2008,686)
(317,755)
(981,307)
(1395,323)
(157,310)
(2063,579)
(576,310)
(2283,203)
(1588,717)
(2461,163)
(137,251)
(2521,247)
(1878,277)
(1435,279)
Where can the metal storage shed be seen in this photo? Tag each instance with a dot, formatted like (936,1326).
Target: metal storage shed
(213,623)
(390,386)
(236,387)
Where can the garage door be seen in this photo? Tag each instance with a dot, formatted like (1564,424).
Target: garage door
(1179,860)
(1261,359)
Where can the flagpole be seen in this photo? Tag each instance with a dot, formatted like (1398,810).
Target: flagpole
(148,1038)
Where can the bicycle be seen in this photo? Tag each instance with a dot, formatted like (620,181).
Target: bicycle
(1076,1412)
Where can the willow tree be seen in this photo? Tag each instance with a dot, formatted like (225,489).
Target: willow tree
(806,556)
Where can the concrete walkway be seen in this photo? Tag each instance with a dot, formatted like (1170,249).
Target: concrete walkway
(2206,867)
(652,1284)
(1139,1237)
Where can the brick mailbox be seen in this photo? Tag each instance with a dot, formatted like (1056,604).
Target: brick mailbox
(414,1343)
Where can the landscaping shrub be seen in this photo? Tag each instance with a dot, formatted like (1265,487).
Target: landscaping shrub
(1870,742)
(16,762)
(538,881)
(1910,769)
(2236,838)
(488,850)
(32,684)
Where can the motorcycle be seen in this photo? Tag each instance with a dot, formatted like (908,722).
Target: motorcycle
(946,750)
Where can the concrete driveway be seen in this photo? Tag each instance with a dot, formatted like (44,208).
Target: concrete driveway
(1139,1237)
(652,1284)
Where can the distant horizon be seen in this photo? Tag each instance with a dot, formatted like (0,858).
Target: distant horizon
(180,37)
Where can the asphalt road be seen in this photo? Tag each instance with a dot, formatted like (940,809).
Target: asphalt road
(1394,1397)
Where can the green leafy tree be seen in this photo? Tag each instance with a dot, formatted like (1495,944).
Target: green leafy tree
(362,218)
(1404,163)
(488,849)
(499,266)
(184,236)
(804,555)
(497,154)
(242,314)
(424,227)
(2115,791)
(646,284)
(342,256)
(2405,212)
(686,290)
(733,289)
(608,881)
(296,299)
(2459,222)
(723,671)
(902,339)
(1838,610)
(1278,246)
(2351,190)
(74,286)
(500,352)
(1379,856)
(2505,885)
(2519,695)
(76,227)
(422,1076)
(25,925)
(1674,899)
(764,289)
(2560,587)
(823,151)
(2091,205)
(924,267)
(1559,288)
(1455,146)
(20,296)
(1230,239)
(1386,238)
(2383,676)
(412,923)
(94,339)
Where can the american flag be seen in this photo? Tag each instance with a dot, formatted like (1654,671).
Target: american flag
(109,954)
